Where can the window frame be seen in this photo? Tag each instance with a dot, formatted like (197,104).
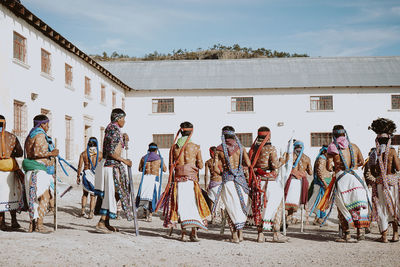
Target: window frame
(23,45)
(163,144)
(235,104)
(392,101)
(250,138)
(320,138)
(317,103)
(102,93)
(157,105)
(45,63)
(88,87)
(68,75)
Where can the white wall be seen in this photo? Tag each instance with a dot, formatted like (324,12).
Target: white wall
(210,110)
(18,81)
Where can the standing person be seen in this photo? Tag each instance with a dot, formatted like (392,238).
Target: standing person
(112,183)
(11,177)
(296,187)
(212,180)
(234,189)
(322,178)
(347,188)
(182,199)
(152,166)
(88,161)
(383,164)
(266,189)
(39,170)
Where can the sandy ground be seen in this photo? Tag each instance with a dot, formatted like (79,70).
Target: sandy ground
(76,243)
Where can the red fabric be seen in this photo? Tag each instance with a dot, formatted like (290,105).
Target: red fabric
(304,185)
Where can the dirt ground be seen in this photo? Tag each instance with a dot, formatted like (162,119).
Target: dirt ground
(76,243)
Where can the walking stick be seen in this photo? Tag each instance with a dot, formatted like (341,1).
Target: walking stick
(132,194)
(302,219)
(55,194)
(223,222)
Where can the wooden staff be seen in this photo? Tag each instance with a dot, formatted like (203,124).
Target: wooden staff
(55,190)
(302,219)
(132,193)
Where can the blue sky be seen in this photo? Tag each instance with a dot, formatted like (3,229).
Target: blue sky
(316,27)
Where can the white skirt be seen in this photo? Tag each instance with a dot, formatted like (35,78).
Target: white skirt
(90,177)
(42,184)
(293,195)
(231,200)
(212,194)
(104,182)
(187,206)
(11,192)
(149,184)
(350,195)
(274,197)
(383,213)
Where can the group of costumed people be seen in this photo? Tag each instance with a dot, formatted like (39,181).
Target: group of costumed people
(253,188)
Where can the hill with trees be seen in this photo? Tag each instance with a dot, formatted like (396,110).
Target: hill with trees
(217,51)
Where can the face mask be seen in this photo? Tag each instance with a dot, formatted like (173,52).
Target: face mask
(297,150)
(92,150)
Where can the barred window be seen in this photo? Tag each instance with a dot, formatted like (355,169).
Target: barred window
(68,137)
(68,75)
(242,104)
(321,102)
(103,94)
(87,86)
(163,105)
(245,138)
(46,64)
(49,115)
(114,99)
(20,120)
(396,140)
(395,101)
(320,139)
(163,140)
(19,47)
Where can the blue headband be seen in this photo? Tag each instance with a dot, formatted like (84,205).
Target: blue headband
(228,132)
(153,147)
(298,143)
(340,131)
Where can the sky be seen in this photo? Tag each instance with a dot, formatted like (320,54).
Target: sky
(319,28)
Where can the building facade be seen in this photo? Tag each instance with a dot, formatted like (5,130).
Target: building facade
(43,73)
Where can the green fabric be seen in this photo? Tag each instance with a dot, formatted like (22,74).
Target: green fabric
(181,141)
(32,165)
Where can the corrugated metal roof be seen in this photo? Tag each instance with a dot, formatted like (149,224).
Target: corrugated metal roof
(258,73)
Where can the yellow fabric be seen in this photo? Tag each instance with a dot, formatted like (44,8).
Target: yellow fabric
(8,165)
(204,211)
(174,204)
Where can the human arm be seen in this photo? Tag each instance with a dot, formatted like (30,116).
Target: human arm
(199,159)
(17,151)
(329,162)
(80,167)
(164,167)
(396,161)
(141,165)
(246,158)
(217,163)
(273,160)
(40,148)
(320,168)
(308,166)
(206,176)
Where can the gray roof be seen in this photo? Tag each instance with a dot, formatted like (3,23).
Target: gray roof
(258,73)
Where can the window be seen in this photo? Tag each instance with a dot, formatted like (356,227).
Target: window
(395,101)
(87,86)
(20,120)
(103,94)
(242,104)
(114,99)
(48,114)
(321,102)
(68,75)
(320,139)
(68,137)
(46,66)
(163,140)
(396,140)
(163,105)
(123,103)
(19,47)
(102,129)
(245,138)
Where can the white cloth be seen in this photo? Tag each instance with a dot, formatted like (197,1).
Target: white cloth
(42,184)
(384,215)
(187,206)
(149,184)
(350,192)
(91,179)
(212,194)
(274,197)
(231,200)
(104,182)
(313,198)
(293,195)
(11,192)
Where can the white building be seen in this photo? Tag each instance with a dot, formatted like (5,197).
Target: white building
(42,72)
(308,95)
